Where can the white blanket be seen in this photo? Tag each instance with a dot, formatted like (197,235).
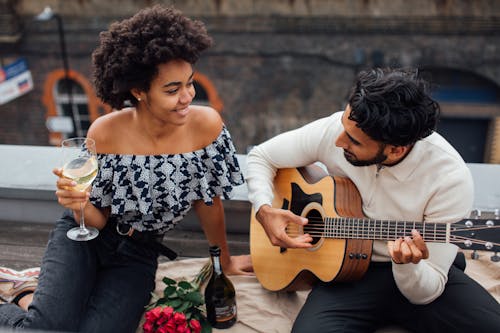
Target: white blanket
(262,311)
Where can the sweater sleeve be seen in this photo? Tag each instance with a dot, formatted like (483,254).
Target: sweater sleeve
(291,149)
(422,283)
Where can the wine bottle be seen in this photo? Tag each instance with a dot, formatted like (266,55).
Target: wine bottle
(220,297)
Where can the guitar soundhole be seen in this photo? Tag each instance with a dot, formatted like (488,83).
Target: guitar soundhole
(315,225)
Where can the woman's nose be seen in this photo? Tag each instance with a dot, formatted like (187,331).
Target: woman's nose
(186,96)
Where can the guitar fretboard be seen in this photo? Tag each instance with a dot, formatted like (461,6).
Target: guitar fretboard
(360,228)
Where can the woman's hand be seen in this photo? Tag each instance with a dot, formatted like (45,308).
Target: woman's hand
(70,198)
(67,195)
(239,265)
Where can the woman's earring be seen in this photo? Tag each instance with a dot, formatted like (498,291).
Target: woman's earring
(139,99)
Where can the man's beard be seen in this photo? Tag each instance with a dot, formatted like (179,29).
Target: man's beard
(377,159)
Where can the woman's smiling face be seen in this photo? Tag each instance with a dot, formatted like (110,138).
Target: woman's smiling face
(170,93)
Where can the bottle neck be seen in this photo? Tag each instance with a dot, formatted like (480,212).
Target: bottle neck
(217,265)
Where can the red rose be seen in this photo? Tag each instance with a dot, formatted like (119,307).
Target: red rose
(165,316)
(179,318)
(148,327)
(153,314)
(168,310)
(169,327)
(195,326)
(183,328)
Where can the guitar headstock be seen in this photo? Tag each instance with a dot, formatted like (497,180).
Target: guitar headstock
(479,232)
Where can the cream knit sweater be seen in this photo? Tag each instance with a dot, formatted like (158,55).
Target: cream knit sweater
(431,184)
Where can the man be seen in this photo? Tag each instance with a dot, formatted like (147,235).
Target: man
(385,142)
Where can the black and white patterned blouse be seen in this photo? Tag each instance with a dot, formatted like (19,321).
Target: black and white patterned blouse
(154,192)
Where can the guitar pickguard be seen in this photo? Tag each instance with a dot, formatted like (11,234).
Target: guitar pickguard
(299,199)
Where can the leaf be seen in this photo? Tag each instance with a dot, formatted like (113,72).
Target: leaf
(185,285)
(194,297)
(168,281)
(175,303)
(184,306)
(170,292)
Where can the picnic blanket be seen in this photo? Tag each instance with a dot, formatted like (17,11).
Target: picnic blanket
(262,311)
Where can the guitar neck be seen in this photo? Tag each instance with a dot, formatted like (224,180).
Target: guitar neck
(362,228)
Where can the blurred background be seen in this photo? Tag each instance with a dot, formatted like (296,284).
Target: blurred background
(275,65)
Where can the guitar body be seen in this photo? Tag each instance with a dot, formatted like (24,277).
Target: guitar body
(309,192)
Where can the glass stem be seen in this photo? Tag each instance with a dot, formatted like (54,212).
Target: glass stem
(83,230)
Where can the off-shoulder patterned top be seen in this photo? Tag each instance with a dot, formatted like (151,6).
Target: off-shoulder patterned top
(154,192)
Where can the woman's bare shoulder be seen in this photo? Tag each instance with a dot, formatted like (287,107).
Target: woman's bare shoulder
(207,122)
(106,130)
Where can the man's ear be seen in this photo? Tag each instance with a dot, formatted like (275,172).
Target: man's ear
(397,152)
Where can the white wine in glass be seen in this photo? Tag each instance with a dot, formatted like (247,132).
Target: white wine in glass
(80,165)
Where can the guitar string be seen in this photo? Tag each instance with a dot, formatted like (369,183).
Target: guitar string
(332,227)
(454,239)
(353,231)
(393,224)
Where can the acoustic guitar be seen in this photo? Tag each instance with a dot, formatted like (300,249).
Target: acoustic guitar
(342,236)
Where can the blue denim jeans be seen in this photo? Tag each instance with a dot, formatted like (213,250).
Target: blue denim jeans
(100,285)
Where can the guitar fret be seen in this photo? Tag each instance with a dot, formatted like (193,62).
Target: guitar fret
(345,230)
(357,228)
(350,231)
(369,228)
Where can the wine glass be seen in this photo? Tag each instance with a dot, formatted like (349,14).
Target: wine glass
(80,165)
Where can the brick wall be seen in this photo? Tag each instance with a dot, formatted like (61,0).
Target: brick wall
(272,72)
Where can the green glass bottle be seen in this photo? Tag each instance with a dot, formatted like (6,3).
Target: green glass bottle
(220,297)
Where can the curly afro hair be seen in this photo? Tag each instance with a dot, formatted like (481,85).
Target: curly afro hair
(392,106)
(131,50)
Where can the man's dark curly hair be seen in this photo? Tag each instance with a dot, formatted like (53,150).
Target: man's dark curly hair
(131,50)
(393,106)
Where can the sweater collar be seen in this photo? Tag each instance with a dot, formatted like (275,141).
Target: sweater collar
(402,170)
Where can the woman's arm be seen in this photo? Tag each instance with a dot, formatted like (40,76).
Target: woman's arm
(213,225)
(71,199)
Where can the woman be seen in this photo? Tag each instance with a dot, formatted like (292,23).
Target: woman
(157,159)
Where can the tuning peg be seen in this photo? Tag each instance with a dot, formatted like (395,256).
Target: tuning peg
(474,255)
(495,257)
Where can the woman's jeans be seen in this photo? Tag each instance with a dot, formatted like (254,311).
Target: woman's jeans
(100,285)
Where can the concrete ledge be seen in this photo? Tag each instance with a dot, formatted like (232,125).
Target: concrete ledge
(27,188)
